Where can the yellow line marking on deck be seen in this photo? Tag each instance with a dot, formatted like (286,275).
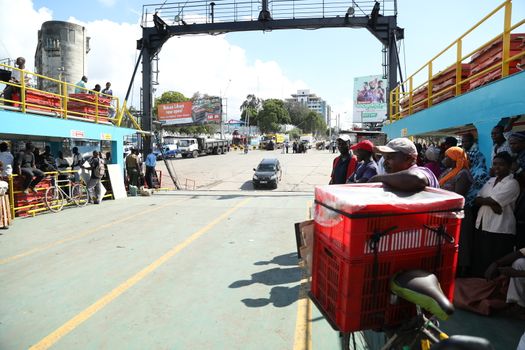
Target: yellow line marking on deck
(303,324)
(84,315)
(83,234)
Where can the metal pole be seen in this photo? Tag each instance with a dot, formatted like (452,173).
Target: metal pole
(146,98)
(392,62)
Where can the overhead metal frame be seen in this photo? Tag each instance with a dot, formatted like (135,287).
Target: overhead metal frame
(383,28)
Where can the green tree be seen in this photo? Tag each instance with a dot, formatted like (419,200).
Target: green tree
(170,97)
(295,133)
(250,108)
(314,123)
(297,111)
(272,116)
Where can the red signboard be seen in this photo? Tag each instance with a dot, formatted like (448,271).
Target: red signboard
(213,117)
(175,113)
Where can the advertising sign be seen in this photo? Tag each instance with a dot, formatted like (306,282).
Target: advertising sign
(370,99)
(202,110)
(175,113)
(207,109)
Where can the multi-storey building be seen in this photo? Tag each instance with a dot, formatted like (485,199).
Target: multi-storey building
(313,102)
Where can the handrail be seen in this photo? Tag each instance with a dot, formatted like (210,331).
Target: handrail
(38,206)
(403,103)
(59,100)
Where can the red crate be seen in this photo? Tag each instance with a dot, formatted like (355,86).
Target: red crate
(352,298)
(516,43)
(91,98)
(347,216)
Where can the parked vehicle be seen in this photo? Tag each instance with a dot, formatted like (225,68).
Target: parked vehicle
(268,173)
(195,146)
(170,151)
(307,140)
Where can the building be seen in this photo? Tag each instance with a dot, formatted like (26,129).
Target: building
(313,102)
(61,54)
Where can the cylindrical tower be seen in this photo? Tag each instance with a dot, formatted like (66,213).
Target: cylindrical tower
(61,54)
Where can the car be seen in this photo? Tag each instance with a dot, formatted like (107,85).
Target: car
(268,173)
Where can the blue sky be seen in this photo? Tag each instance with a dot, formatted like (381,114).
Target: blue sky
(273,64)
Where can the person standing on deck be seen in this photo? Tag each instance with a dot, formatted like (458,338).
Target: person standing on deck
(344,165)
(80,87)
(402,172)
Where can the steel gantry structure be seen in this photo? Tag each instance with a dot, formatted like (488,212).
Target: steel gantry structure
(225,16)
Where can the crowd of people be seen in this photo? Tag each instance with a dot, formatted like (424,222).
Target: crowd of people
(492,239)
(32,165)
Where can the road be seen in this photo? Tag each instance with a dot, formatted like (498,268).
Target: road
(233,171)
(211,268)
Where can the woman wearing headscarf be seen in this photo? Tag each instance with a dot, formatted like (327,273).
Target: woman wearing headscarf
(432,156)
(457,178)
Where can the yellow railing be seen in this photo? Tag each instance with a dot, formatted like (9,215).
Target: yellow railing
(406,99)
(59,99)
(39,204)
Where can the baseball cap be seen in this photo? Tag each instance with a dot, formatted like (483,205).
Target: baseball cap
(344,137)
(401,144)
(365,145)
(520,135)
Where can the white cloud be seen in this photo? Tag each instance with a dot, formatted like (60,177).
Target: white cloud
(19,37)
(208,64)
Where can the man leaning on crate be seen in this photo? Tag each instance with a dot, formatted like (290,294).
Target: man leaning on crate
(402,172)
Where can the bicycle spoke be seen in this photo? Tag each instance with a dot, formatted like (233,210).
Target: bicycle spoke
(54,199)
(79,195)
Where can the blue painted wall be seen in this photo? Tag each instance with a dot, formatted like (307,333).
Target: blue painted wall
(28,124)
(483,107)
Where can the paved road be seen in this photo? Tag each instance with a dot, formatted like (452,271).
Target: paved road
(233,171)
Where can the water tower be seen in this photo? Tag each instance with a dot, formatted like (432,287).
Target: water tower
(61,54)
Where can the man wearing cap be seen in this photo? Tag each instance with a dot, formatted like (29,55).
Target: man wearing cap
(345,164)
(367,167)
(402,173)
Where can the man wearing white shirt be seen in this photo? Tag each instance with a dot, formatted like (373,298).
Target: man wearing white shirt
(7,160)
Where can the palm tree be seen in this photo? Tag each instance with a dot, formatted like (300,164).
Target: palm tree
(250,107)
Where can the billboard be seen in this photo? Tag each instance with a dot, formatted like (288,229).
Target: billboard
(202,110)
(207,109)
(175,113)
(370,99)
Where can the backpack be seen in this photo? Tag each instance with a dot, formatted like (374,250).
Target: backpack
(100,169)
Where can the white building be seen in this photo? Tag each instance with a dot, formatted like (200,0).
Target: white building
(313,102)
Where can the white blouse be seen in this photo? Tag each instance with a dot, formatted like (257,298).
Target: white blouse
(505,193)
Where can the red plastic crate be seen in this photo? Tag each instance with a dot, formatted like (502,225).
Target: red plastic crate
(352,298)
(90,98)
(347,216)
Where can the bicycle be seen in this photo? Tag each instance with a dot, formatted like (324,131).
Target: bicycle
(422,289)
(55,196)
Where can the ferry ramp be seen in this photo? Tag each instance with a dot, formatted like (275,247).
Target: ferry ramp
(178,270)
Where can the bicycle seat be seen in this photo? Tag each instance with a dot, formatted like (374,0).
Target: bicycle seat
(463,342)
(422,288)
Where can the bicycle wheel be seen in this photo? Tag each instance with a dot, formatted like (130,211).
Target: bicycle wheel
(54,199)
(79,195)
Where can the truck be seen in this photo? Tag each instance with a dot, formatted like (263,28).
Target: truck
(169,151)
(196,146)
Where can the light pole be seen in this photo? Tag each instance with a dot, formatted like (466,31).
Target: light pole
(221,94)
